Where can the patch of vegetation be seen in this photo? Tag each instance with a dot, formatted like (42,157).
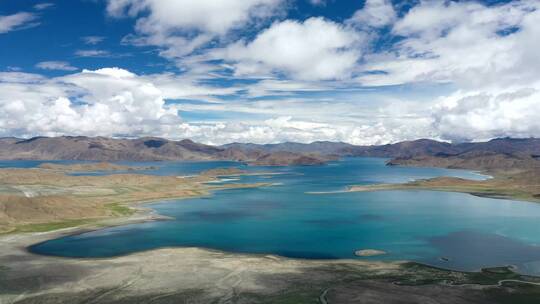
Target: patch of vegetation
(419,274)
(413,274)
(118,209)
(3,275)
(496,289)
(491,276)
(514,293)
(3,269)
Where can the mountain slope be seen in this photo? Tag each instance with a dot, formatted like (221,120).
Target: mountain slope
(475,160)
(154,148)
(105,149)
(141,149)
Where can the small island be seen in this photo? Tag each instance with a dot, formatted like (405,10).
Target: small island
(369,252)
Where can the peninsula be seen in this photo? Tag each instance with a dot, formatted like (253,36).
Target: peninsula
(46,198)
(513,176)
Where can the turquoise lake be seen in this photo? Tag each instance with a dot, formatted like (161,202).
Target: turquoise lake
(285,219)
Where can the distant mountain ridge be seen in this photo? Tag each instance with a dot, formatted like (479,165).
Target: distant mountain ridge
(141,149)
(155,148)
(105,149)
(475,160)
(401,149)
(322,147)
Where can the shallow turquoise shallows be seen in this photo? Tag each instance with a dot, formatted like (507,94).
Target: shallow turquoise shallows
(451,230)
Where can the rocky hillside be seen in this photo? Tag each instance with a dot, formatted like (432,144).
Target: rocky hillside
(403,149)
(497,155)
(475,160)
(104,149)
(141,149)
(289,158)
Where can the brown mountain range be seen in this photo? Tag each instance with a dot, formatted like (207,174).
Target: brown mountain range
(141,149)
(500,153)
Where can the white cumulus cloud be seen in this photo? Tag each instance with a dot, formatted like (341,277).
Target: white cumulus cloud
(376,13)
(180,27)
(299,80)
(462,42)
(103,102)
(17,21)
(216,16)
(311,50)
(117,102)
(476,116)
(56,65)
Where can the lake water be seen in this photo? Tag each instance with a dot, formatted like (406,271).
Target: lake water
(285,219)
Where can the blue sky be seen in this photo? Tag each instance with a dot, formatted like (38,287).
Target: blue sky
(364,72)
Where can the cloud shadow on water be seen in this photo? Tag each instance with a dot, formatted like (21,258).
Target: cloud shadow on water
(468,250)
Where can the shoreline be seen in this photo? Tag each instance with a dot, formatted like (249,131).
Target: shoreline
(26,240)
(150,215)
(399,187)
(512,186)
(141,276)
(33,199)
(412,186)
(213,275)
(141,215)
(147,214)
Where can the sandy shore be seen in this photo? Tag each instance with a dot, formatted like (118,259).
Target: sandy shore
(194,275)
(168,273)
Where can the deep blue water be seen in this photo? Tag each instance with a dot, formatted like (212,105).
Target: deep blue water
(471,232)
